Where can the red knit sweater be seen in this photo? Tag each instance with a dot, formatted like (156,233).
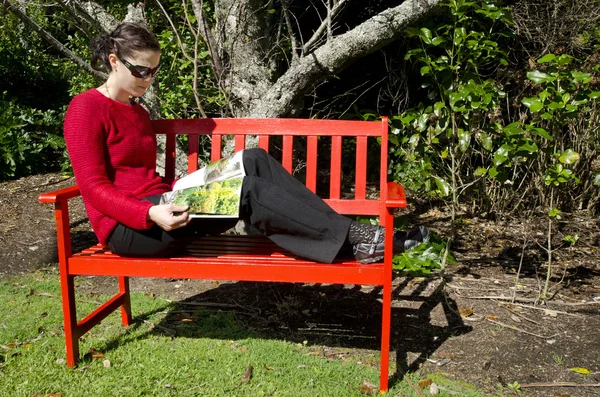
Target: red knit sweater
(113,152)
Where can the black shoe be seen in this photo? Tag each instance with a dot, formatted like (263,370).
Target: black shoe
(403,241)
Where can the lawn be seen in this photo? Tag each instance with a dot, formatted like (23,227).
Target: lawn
(150,359)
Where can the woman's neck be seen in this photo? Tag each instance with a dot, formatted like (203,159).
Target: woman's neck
(110,90)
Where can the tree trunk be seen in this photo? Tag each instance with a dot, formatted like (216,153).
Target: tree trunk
(246,48)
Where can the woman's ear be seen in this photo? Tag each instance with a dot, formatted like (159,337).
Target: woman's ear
(112,58)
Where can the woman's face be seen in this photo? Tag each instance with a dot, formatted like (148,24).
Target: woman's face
(125,81)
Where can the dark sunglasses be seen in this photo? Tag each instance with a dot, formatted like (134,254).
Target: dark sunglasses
(138,71)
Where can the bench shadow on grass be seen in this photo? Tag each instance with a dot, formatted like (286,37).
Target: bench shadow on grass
(335,320)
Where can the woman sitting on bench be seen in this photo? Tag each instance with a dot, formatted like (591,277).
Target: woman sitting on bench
(112,147)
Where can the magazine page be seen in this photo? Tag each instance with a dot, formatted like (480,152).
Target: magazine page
(212,191)
(215,199)
(226,168)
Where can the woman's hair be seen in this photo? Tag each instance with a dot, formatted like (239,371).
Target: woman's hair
(127,39)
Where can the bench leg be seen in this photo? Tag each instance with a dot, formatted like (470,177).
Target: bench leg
(126,306)
(386,313)
(70,318)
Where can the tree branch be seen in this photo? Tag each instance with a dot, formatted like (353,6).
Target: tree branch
(288,22)
(325,25)
(51,40)
(206,33)
(335,55)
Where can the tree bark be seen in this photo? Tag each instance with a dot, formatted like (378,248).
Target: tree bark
(246,48)
(336,55)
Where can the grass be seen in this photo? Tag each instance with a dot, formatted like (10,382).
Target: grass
(144,359)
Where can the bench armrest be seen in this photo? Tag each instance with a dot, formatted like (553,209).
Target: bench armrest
(395,196)
(61,195)
(60,199)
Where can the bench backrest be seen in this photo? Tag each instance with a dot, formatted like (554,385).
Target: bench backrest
(341,134)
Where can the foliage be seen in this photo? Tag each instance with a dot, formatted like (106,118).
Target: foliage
(421,260)
(30,140)
(424,258)
(563,96)
(453,130)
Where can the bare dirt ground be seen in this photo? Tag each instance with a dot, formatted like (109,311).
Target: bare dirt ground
(479,321)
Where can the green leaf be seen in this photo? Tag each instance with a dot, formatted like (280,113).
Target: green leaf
(534,104)
(426,35)
(564,59)
(539,77)
(571,108)
(443,187)
(464,139)
(569,156)
(438,40)
(425,70)
(547,58)
(485,140)
(493,172)
(438,107)
(555,105)
(597,180)
(579,77)
(480,171)
(529,147)
(554,212)
(594,95)
(459,36)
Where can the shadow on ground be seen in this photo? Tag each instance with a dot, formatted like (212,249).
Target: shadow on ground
(334,320)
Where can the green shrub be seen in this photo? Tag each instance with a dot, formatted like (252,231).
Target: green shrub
(30,140)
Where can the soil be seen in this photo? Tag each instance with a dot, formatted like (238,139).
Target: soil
(479,321)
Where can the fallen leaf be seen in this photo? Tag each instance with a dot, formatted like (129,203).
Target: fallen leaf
(425,383)
(580,370)
(96,354)
(433,389)
(551,313)
(515,318)
(492,317)
(106,363)
(367,388)
(465,312)
(247,374)
(561,395)
(215,283)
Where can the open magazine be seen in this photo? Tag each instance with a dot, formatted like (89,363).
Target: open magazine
(212,191)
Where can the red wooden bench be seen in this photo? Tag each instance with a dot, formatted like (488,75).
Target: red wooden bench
(246,258)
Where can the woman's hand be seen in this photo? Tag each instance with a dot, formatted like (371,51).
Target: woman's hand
(169,216)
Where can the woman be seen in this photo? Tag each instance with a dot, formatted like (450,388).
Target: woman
(113,152)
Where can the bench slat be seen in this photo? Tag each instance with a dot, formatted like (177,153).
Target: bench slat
(263,142)
(250,269)
(193,141)
(311,163)
(335,170)
(360,181)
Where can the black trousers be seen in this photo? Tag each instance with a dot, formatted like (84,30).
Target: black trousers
(272,200)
